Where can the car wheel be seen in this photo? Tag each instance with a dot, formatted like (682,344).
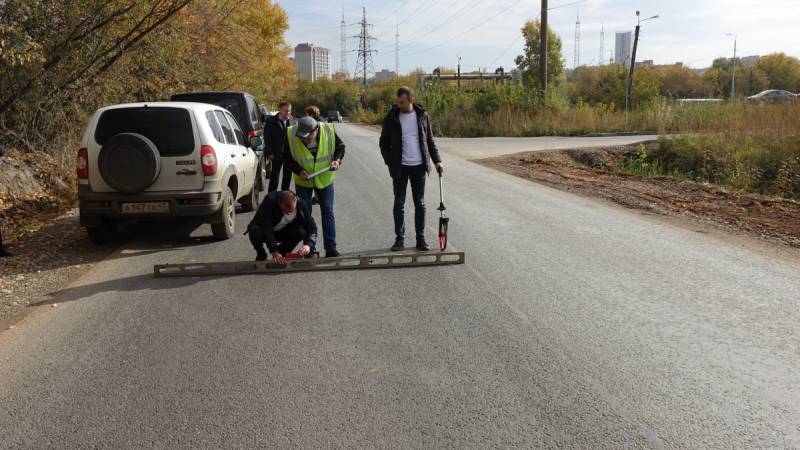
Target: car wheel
(226,217)
(250,201)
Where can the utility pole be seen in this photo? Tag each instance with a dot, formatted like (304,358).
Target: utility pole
(629,87)
(343,63)
(543,48)
(458,77)
(733,76)
(397,52)
(577,59)
(364,61)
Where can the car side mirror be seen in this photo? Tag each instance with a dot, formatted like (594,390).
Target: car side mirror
(256,142)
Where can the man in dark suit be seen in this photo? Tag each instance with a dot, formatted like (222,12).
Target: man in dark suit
(282,222)
(277,146)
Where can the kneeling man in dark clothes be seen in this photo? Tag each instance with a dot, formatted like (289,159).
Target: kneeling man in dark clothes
(282,222)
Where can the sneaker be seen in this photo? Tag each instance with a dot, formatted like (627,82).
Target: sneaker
(332,253)
(423,246)
(399,245)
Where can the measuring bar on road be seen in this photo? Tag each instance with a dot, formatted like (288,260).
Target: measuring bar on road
(308,265)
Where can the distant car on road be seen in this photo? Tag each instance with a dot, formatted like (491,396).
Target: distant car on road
(773,95)
(334,116)
(165,160)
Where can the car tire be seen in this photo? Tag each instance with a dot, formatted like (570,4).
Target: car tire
(129,162)
(225,217)
(250,201)
(101,234)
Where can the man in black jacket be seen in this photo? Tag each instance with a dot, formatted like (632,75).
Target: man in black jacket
(277,147)
(282,222)
(3,251)
(408,148)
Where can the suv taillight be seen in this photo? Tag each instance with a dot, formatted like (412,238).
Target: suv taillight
(208,158)
(82,164)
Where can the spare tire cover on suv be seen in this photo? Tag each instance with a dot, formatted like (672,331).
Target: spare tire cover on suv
(129,162)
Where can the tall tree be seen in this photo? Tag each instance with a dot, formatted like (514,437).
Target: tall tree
(782,71)
(528,62)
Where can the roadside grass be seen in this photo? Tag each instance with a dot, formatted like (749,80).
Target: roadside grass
(766,162)
(660,117)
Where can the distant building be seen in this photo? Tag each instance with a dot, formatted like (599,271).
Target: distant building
(385,75)
(312,62)
(646,62)
(749,60)
(623,48)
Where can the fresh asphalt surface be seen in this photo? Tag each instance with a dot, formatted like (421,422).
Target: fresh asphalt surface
(572,324)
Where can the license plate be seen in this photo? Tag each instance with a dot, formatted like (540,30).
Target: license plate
(145,208)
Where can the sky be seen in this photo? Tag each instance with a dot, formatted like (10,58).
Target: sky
(486,33)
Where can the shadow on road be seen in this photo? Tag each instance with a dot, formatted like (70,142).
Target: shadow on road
(137,283)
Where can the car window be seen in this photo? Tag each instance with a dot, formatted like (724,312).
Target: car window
(215,128)
(237,130)
(226,127)
(170,129)
(253,109)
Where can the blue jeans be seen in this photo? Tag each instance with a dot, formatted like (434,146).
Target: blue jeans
(325,197)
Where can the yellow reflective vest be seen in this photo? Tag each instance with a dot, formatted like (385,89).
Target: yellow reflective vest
(313,163)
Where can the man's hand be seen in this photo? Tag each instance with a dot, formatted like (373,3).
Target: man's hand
(335,165)
(304,250)
(304,175)
(278,258)
(440,168)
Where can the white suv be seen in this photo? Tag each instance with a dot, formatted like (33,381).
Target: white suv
(165,160)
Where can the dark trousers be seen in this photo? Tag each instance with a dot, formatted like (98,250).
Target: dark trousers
(277,167)
(288,237)
(416,175)
(325,197)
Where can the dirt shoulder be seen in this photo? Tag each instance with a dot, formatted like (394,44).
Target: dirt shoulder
(44,262)
(773,220)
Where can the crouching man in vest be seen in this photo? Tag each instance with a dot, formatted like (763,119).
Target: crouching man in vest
(282,222)
(314,148)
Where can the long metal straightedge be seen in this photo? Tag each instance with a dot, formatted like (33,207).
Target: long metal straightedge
(308,265)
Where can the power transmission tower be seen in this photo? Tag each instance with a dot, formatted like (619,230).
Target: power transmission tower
(602,43)
(343,63)
(397,52)
(577,60)
(364,65)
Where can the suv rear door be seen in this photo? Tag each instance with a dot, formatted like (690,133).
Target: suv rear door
(173,131)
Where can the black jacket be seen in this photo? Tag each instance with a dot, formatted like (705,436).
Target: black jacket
(338,153)
(391,141)
(269,214)
(276,140)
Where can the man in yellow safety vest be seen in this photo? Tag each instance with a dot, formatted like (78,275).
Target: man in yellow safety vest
(316,154)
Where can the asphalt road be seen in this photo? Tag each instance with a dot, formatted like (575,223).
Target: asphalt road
(573,324)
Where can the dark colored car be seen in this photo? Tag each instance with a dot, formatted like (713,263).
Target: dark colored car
(244,108)
(334,116)
(773,95)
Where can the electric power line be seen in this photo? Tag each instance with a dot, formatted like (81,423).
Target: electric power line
(482,23)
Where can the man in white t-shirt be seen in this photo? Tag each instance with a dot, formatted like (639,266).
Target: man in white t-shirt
(407,147)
